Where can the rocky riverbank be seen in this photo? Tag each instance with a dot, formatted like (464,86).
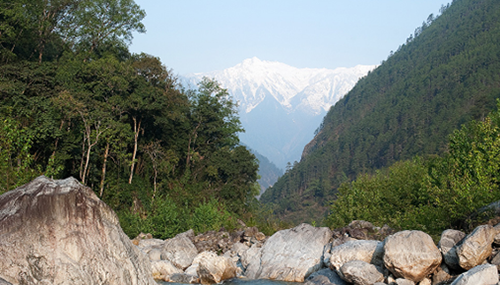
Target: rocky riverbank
(59,232)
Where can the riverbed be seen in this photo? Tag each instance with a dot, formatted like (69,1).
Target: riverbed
(238,281)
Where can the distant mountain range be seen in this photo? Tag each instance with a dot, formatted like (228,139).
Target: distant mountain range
(280,105)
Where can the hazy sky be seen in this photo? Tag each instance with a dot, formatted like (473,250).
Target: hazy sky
(206,35)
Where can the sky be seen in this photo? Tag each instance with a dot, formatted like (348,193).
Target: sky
(192,36)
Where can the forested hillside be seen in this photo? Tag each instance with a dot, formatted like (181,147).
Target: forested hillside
(75,102)
(446,74)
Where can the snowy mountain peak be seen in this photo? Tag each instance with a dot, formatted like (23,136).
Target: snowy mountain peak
(253,79)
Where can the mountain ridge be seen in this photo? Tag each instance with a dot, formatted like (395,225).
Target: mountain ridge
(443,76)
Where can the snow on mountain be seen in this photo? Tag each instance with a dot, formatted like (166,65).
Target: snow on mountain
(281,105)
(318,88)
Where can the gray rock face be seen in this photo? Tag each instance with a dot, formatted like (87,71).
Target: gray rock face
(449,238)
(179,250)
(411,255)
(360,273)
(3,282)
(184,278)
(370,251)
(59,232)
(293,254)
(324,277)
(486,274)
(476,247)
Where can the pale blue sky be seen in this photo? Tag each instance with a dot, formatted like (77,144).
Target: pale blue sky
(206,35)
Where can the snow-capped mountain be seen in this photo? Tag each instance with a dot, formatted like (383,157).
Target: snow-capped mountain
(280,105)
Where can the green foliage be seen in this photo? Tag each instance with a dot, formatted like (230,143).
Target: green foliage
(444,76)
(16,163)
(431,195)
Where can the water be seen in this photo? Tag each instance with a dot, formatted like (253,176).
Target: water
(237,281)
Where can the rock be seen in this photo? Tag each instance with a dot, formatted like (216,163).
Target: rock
(442,274)
(411,255)
(260,236)
(154,254)
(179,250)
(214,269)
(496,260)
(293,254)
(144,243)
(402,281)
(3,282)
(496,240)
(370,251)
(360,273)
(184,278)
(250,260)
(324,277)
(193,269)
(162,269)
(476,247)
(486,274)
(239,248)
(425,281)
(251,231)
(59,232)
(449,238)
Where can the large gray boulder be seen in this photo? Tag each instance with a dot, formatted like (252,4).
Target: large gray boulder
(59,232)
(476,247)
(180,250)
(449,238)
(213,268)
(293,254)
(370,251)
(360,272)
(411,255)
(485,274)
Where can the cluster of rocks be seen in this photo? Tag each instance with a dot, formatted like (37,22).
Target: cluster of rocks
(59,232)
(206,258)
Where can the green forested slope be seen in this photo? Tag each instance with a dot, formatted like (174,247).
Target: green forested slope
(75,102)
(446,74)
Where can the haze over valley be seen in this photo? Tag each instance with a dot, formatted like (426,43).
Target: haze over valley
(280,106)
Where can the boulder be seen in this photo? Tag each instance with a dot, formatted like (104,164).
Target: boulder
(360,273)
(60,232)
(486,274)
(476,247)
(184,278)
(214,269)
(179,250)
(250,261)
(324,276)
(370,251)
(163,269)
(293,254)
(411,255)
(449,238)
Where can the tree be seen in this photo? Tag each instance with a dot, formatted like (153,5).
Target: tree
(97,22)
